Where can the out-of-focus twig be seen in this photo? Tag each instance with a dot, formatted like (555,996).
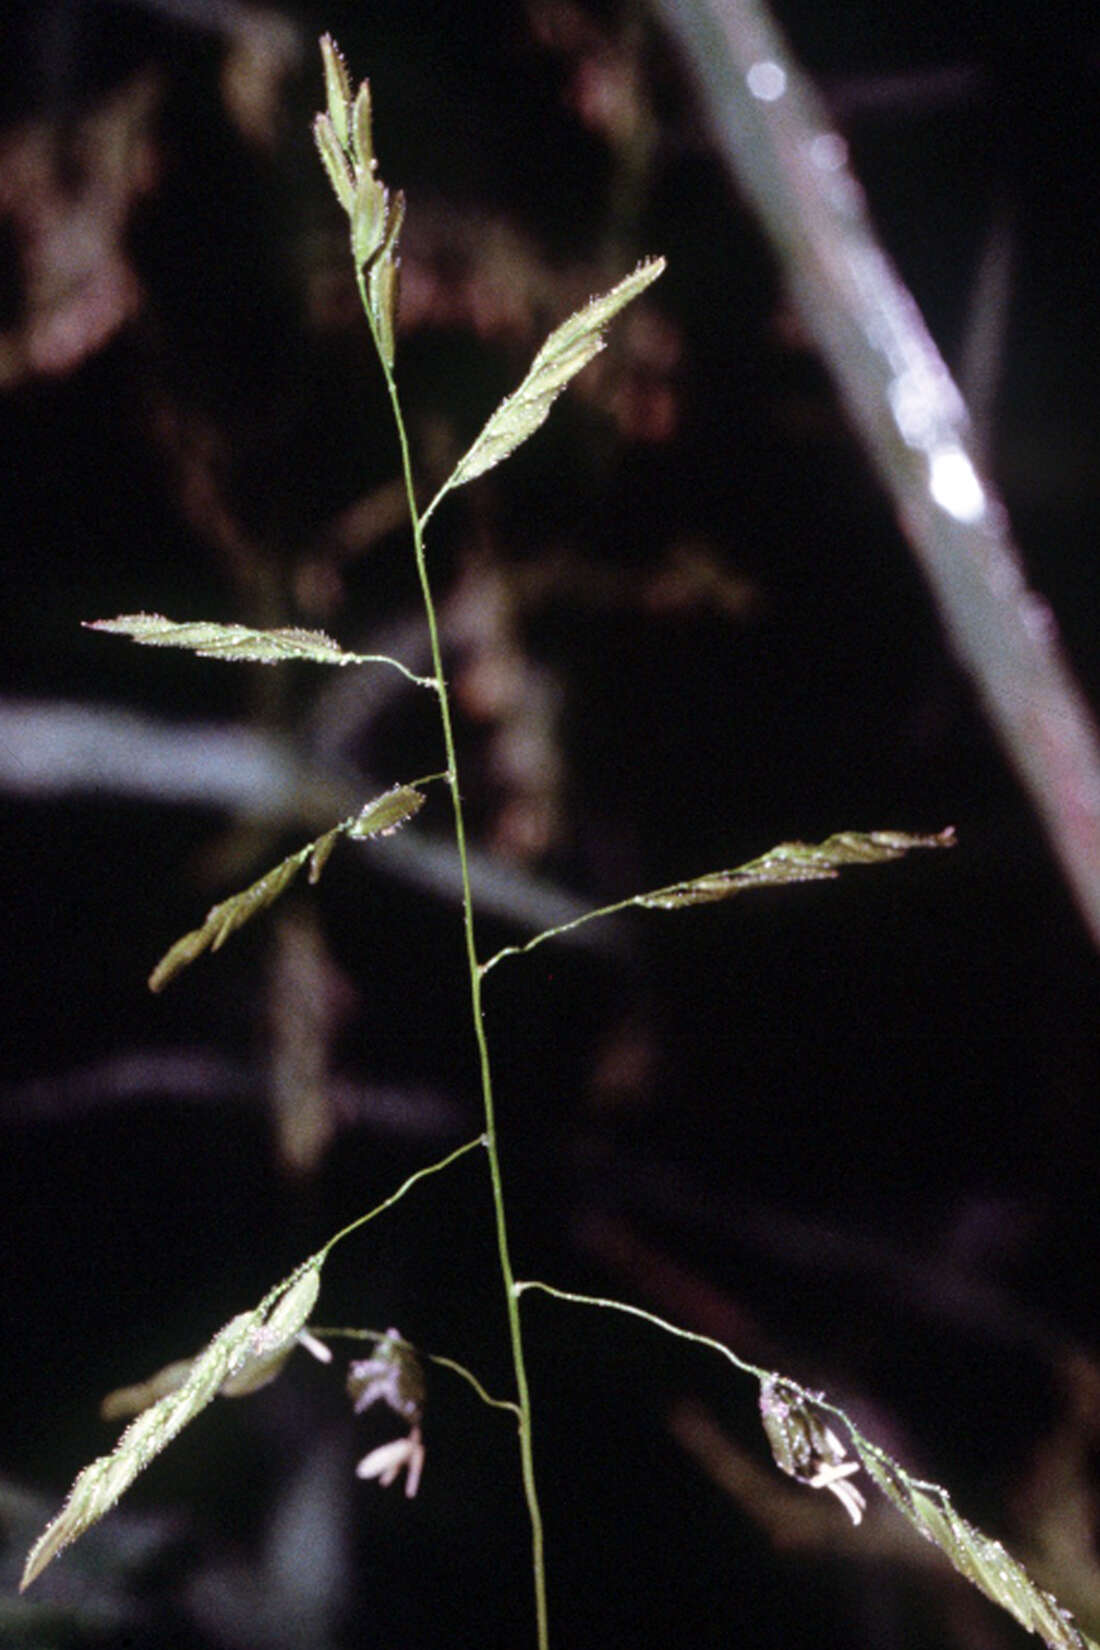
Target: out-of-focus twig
(935,1288)
(981,359)
(71,749)
(202,1076)
(778,140)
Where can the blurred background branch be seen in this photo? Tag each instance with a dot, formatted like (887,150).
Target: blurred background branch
(780,143)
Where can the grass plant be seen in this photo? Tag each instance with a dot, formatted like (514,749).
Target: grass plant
(812,1440)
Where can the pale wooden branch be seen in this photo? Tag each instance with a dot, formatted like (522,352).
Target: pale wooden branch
(778,140)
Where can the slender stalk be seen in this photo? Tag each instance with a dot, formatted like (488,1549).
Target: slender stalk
(515,1330)
(561,928)
(746,1368)
(395,1197)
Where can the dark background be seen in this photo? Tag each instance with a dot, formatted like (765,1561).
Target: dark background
(848,1128)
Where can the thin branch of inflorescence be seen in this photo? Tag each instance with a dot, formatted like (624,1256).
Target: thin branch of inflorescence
(524,1285)
(326,1332)
(395,1197)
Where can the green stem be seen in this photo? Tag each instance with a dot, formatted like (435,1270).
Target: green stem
(468,1375)
(670,1328)
(384,659)
(562,928)
(515,1331)
(394,1197)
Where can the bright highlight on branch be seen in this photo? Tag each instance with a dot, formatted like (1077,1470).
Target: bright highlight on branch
(767,81)
(954,484)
